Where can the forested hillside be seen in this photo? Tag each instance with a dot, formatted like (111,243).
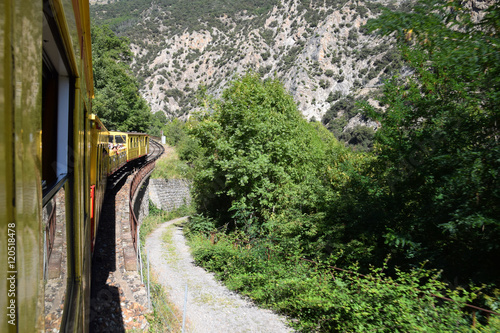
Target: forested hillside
(117,100)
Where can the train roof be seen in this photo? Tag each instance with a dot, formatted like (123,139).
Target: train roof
(127,133)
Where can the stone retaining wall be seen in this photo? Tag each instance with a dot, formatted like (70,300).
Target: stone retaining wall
(141,204)
(169,194)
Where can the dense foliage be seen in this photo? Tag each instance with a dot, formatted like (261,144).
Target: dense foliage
(324,299)
(359,137)
(178,15)
(438,149)
(117,100)
(262,165)
(283,204)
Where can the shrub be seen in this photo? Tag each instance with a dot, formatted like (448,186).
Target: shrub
(321,298)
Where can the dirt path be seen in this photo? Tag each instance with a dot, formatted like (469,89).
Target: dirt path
(211,307)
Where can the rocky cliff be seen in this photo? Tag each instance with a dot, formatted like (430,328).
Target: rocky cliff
(319,49)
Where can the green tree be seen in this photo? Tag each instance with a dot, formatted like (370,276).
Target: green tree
(158,121)
(261,160)
(439,141)
(175,132)
(117,100)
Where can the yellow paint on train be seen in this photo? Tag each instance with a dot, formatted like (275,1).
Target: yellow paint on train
(55,156)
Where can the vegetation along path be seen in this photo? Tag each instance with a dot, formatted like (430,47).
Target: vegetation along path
(211,307)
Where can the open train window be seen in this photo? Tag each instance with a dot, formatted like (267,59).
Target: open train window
(57,99)
(120,139)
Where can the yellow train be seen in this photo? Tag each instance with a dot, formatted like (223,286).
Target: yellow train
(126,147)
(55,157)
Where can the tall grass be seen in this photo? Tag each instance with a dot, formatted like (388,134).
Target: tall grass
(171,167)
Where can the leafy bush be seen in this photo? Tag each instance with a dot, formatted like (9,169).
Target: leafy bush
(329,73)
(199,225)
(175,132)
(323,299)
(265,55)
(360,137)
(347,105)
(257,148)
(268,36)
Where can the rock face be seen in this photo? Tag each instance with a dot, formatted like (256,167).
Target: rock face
(315,48)
(360,120)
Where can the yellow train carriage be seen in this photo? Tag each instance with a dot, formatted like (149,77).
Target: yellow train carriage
(46,88)
(137,145)
(117,146)
(99,168)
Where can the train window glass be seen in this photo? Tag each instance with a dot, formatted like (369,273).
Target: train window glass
(56,100)
(111,139)
(54,260)
(120,139)
(49,123)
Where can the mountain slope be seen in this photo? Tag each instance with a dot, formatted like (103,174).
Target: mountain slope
(317,48)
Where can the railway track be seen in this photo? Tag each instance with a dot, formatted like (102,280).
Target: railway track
(155,150)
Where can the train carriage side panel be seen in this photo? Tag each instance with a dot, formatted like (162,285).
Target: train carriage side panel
(43,152)
(132,151)
(131,147)
(20,180)
(99,160)
(136,146)
(118,150)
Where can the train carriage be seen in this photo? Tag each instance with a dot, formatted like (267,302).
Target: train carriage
(45,100)
(117,143)
(99,170)
(137,145)
(55,156)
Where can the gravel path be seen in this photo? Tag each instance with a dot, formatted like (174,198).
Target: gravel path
(211,307)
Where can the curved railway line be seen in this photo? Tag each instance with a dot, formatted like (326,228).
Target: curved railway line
(156,149)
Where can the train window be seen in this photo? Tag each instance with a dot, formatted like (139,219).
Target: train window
(54,260)
(120,139)
(111,139)
(57,98)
